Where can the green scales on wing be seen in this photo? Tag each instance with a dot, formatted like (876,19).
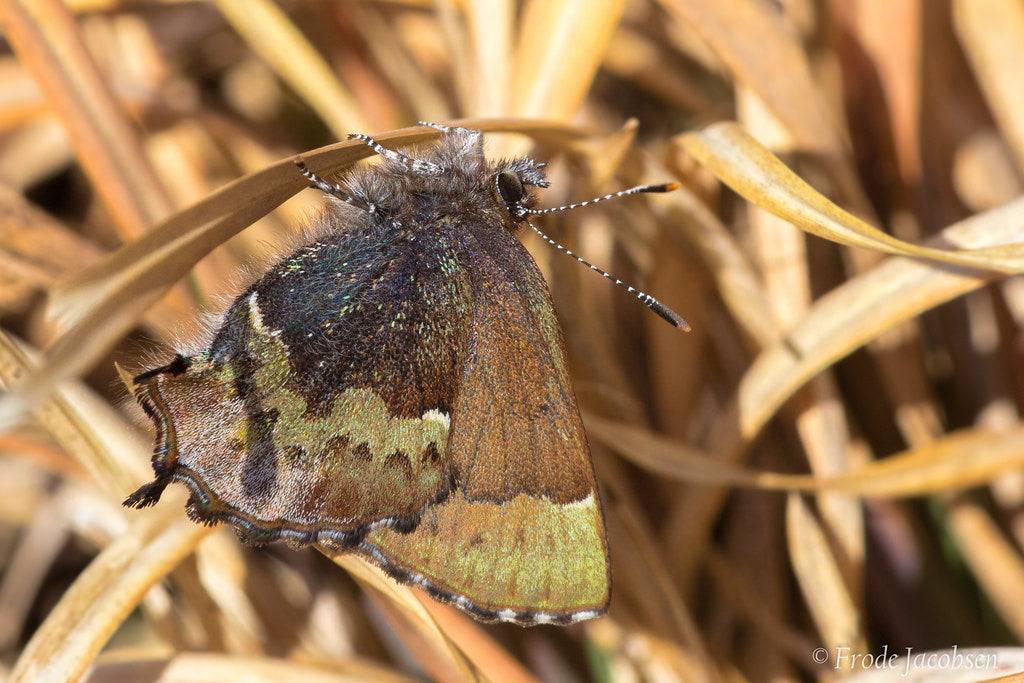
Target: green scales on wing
(404,396)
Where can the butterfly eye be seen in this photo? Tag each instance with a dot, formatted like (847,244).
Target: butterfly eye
(510,187)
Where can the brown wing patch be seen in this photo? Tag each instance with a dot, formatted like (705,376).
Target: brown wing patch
(253,453)
(522,537)
(515,424)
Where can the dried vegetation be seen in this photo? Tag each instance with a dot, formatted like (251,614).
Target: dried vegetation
(832,458)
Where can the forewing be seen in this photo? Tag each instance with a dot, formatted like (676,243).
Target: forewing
(522,539)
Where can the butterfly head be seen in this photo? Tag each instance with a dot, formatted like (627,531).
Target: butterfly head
(512,183)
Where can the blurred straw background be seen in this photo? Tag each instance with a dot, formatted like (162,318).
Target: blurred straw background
(832,458)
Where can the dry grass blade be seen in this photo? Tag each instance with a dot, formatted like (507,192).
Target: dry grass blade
(763,54)
(821,580)
(85,426)
(838,323)
(197,667)
(106,301)
(273,36)
(561,45)
(262,188)
(995,562)
(34,250)
(958,461)
(64,647)
(755,173)
(411,606)
(738,285)
(46,39)
(865,307)
(491,24)
(992,32)
(472,639)
(862,361)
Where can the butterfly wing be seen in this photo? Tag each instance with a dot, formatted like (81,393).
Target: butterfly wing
(310,418)
(404,395)
(522,538)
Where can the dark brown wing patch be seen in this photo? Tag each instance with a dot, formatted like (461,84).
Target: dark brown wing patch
(327,434)
(515,426)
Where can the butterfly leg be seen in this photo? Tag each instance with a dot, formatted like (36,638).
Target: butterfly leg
(414,165)
(148,494)
(332,189)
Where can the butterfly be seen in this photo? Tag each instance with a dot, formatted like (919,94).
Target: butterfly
(397,387)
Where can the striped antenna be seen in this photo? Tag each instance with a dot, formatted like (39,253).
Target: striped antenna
(666,313)
(663,187)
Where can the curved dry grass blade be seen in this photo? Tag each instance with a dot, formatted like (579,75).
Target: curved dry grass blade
(203,667)
(490,24)
(100,599)
(273,36)
(780,251)
(821,581)
(995,562)
(34,250)
(86,427)
(263,187)
(747,167)
(752,40)
(411,605)
(686,630)
(454,32)
(480,648)
(393,60)
(108,299)
(47,41)
(29,562)
(837,324)
(864,307)
(736,588)
(739,286)
(992,34)
(561,45)
(960,460)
